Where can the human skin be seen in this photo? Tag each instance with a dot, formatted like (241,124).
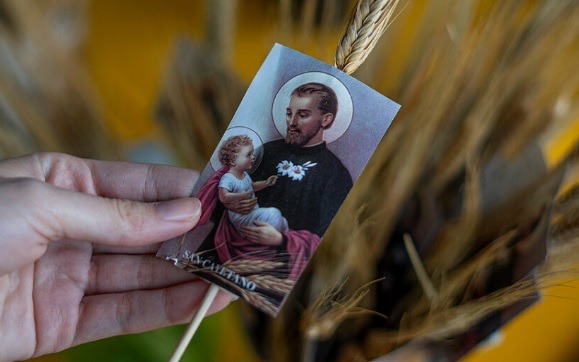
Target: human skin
(305,121)
(77,241)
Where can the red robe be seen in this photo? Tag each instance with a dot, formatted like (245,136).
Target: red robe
(230,244)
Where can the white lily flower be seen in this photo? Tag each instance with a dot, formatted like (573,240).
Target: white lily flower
(297,173)
(284,167)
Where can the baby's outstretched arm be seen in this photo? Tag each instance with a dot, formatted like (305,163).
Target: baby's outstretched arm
(259,185)
(226,196)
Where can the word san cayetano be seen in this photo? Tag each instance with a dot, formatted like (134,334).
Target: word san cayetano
(226,273)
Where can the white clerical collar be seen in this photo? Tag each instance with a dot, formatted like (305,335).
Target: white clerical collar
(317,144)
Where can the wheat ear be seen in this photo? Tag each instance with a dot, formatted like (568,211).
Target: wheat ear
(367,23)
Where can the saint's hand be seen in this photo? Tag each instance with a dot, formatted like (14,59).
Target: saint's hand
(262,233)
(77,258)
(244,205)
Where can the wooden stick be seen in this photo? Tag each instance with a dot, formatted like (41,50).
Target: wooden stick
(195,322)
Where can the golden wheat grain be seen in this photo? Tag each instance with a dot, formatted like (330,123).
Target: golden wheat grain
(260,302)
(367,23)
(272,283)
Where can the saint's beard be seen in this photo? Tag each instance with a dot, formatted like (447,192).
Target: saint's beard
(300,139)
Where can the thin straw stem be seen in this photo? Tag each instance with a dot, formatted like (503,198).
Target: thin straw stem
(195,322)
(421,273)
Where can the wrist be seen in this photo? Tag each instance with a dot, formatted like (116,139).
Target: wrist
(282,241)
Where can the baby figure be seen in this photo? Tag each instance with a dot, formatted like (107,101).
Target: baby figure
(237,153)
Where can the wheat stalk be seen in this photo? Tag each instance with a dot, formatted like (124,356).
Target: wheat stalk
(425,282)
(437,326)
(456,283)
(367,23)
(455,241)
(330,308)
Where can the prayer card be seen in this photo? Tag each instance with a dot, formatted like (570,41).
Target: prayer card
(296,145)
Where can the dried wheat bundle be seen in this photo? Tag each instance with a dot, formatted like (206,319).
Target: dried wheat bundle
(46,99)
(461,171)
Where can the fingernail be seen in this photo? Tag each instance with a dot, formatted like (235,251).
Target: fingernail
(180,209)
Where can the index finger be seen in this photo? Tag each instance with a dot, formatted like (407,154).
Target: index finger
(123,180)
(142,182)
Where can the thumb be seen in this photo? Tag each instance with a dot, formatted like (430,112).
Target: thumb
(40,213)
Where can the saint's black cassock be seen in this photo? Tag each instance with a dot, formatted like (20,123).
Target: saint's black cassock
(309,202)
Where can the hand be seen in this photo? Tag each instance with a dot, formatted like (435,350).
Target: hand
(244,205)
(77,255)
(271,180)
(262,233)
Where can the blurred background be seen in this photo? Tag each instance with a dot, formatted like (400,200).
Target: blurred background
(489,92)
